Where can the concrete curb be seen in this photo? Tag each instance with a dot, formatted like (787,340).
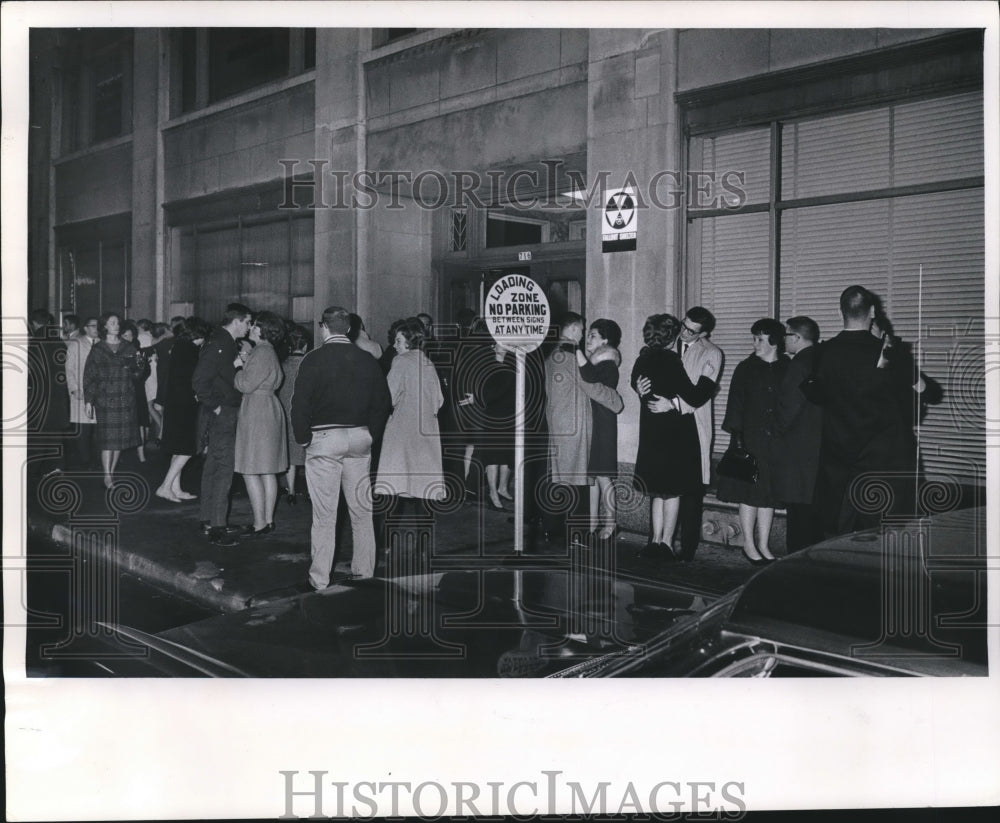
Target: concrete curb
(205,591)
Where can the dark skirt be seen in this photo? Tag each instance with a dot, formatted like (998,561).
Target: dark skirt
(180,427)
(760,494)
(669,460)
(603,460)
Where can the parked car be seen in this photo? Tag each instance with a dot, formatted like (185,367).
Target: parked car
(903,600)
(907,600)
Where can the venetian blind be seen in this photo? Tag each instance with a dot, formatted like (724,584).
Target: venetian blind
(733,251)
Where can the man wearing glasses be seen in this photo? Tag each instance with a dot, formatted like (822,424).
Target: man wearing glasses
(799,426)
(701,357)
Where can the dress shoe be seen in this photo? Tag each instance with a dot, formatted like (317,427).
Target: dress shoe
(205,527)
(666,554)
(222,536)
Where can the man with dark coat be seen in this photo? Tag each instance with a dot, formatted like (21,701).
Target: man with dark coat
(862,431)
(799,428)
(218,410)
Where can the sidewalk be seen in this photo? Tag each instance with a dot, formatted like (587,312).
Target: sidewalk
(162,544)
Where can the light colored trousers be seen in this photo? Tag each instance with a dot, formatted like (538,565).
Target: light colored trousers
(336,457)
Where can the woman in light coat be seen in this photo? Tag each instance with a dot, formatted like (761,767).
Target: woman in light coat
(261,443)
(410,462)
(410,466)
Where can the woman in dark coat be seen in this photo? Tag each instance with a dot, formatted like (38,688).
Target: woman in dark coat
(668,463)
(180,409)
(750,420)
(109,391)
(493,370)
(130,333)
(600,365)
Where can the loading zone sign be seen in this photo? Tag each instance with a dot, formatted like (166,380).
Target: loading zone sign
(517,312)
(620,219)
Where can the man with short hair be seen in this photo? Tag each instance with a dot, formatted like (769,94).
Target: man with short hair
(798,427)
(338,427)
(701,358)
(77,351)
(70,327)
(862,429)
(218,410)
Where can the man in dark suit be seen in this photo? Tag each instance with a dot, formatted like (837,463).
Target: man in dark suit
(219,409)
(799,428)
(862,430)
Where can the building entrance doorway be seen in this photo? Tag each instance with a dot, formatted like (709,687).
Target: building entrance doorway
(466,284)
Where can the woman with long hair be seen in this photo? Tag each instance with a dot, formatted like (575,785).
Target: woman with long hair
(261,436)
(180,408)
(109,391)
(750,421)
(668,463)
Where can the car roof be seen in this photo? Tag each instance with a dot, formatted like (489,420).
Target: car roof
(910,595)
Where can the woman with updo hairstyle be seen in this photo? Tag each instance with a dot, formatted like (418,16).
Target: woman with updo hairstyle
(599,361)
(410,465)
(261,439)
(109,381)
(668,463)
(180,408)
(750,421)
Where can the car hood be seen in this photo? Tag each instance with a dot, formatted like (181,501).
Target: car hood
(488,622)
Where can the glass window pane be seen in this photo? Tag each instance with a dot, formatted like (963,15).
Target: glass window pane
(940,139)
(834,155)
(719,162)
(240,59)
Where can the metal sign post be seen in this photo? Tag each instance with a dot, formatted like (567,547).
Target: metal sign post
(517,315)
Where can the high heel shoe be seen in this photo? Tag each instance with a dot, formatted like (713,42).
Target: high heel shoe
(252,532)
(498,507)
(292,499)
(755,561)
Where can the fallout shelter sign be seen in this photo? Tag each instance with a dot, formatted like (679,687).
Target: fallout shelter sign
(620,219)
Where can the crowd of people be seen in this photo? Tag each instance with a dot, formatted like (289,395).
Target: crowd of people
(431,417)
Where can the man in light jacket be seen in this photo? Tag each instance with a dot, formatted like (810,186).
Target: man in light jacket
(78,348)
(701,358)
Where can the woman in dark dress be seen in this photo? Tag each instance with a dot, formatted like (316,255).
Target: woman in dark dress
(750,421)
(180,409)
(493,386)
(668,463)
(130,333)
(109,391)
(600,365)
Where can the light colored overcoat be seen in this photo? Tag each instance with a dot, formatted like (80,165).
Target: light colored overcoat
(77,350)
(410,462)
(569,418)
(703,358)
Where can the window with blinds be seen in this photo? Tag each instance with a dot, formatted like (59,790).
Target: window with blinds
(264,261)
(890,198)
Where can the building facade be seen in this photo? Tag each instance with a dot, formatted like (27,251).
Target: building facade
(397,171)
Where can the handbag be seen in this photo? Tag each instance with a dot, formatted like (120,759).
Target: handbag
(738,464)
